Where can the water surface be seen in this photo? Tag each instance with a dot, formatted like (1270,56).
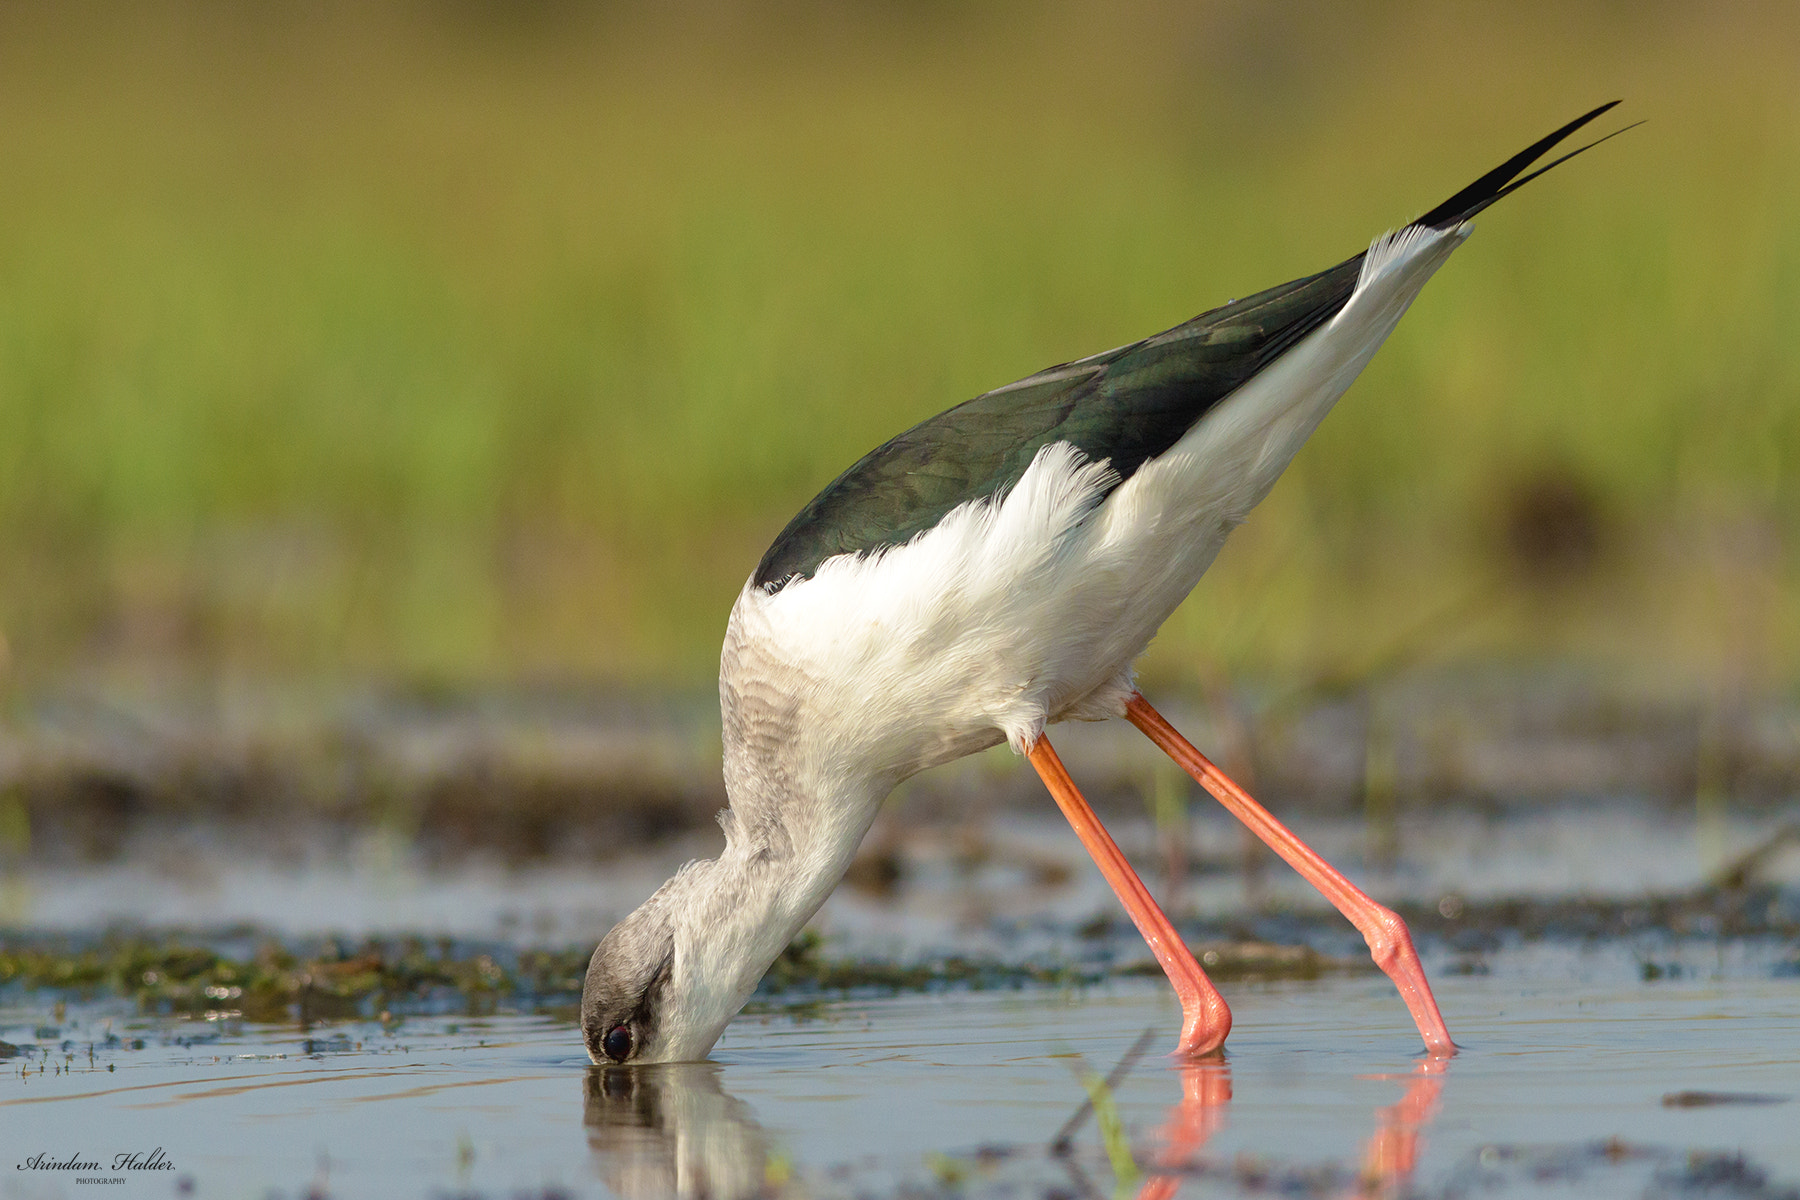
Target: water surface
(1578,1077)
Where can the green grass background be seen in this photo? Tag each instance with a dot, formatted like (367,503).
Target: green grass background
(482,342)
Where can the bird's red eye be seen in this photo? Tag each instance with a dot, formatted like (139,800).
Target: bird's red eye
(617,1043)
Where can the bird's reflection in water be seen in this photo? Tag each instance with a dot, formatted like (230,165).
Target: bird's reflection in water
(1388,1161)
(671,1130)
(1394,1150)
(1205,1094)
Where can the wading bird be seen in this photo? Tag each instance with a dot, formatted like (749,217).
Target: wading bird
(986,574)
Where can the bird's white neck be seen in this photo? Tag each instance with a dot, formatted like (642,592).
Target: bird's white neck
(732,916)
(806,777)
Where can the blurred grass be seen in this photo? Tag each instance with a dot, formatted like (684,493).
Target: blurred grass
(474,341)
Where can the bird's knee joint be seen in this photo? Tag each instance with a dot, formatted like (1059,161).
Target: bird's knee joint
(1388,937)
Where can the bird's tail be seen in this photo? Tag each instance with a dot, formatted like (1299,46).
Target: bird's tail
(1500,181)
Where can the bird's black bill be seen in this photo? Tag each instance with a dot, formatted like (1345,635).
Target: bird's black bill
(1501,180)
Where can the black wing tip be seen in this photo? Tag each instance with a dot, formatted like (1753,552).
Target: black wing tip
(1505,178)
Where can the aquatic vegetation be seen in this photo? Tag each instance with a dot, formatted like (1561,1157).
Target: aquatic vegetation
(279,982)
(276,982)
(1112,1132)
(804,968)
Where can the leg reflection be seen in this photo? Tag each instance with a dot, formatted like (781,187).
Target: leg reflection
(1205,1094)
(1387,1165)
(1394,1150)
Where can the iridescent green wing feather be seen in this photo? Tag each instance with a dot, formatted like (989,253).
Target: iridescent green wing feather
(1125,406)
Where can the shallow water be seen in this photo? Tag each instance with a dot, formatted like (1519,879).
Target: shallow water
(1612,1047)
(1577,1078)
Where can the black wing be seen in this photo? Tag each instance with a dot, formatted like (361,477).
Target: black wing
(1125,406)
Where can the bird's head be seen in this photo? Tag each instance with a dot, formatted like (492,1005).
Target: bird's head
(664,983)
(625,999)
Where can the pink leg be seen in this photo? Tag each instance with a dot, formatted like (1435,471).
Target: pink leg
(1205,1018)
(1389,942)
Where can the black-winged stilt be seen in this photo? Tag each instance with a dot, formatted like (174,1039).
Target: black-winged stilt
(985,574)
